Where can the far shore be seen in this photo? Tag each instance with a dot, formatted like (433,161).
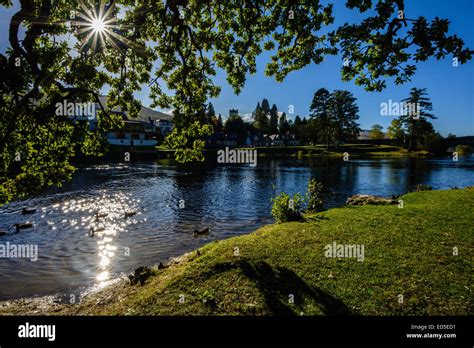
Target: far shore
(354,150)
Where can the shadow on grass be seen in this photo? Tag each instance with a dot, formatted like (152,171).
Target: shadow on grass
(277,283)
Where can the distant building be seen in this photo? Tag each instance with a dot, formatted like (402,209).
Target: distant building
(276,140)
(280,140)
(134,133)
(364,134)
(221,139)
(145,130)
(254,140)
(233,112)
(165,126)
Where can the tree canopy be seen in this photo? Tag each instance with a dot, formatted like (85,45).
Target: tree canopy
(416,123)
(395,130)
(333,117)
(376,132)
(260,118)
(235,125)
(345,112)
(274,119)
(321,116)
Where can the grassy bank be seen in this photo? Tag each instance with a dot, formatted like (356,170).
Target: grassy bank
(408,251)
(355,150)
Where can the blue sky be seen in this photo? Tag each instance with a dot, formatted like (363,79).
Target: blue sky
(451,88)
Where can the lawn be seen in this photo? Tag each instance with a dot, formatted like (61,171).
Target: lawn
(418,261)
(357,150)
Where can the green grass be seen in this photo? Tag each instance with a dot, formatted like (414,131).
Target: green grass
(356,150)
(408,251)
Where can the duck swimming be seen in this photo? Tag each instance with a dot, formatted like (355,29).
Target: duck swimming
(100,215)
(130,214)
(19,227)
(201,232)
(93,230)
(26,211)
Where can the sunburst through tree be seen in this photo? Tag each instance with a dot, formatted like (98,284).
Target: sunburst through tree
(98,27)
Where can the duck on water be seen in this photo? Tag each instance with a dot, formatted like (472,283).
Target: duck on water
(26,211)
(201,232)
(18,227)
(24,226)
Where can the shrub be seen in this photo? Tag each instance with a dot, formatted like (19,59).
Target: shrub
(421,187)
(314,196)
(463,149)
(431,142)
(286,208)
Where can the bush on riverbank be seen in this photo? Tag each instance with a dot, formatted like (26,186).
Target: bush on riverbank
(463,150)
(286,208)
(314,196)
(422,187)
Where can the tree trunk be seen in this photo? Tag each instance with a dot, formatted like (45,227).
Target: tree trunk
(327,134)
(411,136)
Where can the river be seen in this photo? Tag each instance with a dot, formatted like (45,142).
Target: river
(171,201)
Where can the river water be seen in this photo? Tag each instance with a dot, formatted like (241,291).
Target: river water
(170,202)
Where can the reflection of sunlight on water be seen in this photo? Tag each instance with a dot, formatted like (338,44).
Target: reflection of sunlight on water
(106,218)
(102,277)
(109,220)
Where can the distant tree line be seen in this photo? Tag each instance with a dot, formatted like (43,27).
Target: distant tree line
(266,120)
(332,120)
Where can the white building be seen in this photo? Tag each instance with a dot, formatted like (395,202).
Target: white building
(145,130)
(165,126)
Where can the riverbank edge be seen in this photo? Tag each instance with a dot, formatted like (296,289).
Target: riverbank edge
(121,291)
(345,152)
(319,151)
